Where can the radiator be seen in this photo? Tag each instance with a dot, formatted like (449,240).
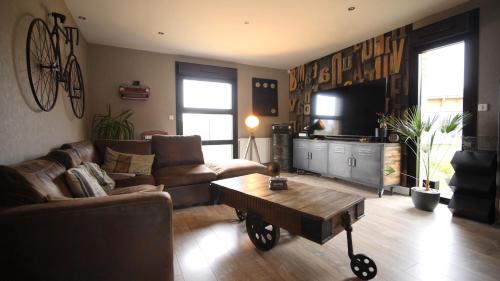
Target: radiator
(263,145)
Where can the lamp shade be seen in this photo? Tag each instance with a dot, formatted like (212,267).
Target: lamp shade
(252,122)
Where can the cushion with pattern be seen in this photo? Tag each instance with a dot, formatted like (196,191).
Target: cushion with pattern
(82,184)
(118,162)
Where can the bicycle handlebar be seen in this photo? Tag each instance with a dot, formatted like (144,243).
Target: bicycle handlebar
(60,17)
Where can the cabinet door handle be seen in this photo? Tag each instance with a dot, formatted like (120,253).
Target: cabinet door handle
(349,161)
(311,156)
(354,162)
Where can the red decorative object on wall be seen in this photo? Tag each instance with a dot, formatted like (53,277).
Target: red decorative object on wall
(134,91)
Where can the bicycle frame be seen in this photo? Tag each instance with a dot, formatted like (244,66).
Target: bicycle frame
(68,35)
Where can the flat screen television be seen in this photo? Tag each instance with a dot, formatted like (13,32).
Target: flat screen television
(350,110)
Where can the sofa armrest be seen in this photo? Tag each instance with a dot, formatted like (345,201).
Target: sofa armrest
(122,237)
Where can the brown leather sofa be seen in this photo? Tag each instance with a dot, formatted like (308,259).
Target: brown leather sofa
(179,165)
(119,237)
(127,236)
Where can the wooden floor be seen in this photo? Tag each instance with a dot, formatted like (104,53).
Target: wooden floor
(406,244)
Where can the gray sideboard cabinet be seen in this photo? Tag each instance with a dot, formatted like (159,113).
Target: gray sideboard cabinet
(310,155)
(376,165)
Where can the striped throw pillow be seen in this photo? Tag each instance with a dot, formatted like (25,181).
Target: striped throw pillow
(117,162)
(83,184)
(100,175)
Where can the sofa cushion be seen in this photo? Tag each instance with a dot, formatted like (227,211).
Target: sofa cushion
(31,182)
(85,150)
(69,157)
(140,147)
(176,150)
(123,180)
(184,175)
(236,168)
(137,188)
(118,162)
(83,184)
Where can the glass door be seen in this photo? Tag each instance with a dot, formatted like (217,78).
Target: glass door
(441,93)
(206,107)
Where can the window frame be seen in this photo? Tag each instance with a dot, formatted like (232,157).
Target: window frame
(207,73)
(463,27)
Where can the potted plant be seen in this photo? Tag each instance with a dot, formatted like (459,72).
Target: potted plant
(105,126)
(381,131)
(420,135)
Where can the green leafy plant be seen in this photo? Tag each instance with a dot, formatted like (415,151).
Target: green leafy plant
(420,134)
(105,126)
(382,119)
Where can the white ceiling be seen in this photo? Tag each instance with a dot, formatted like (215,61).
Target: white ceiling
(280,33)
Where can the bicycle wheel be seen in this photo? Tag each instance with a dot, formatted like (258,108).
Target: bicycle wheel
(76,89)
(41,62)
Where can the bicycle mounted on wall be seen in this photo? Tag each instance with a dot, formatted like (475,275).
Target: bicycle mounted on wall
(44,64)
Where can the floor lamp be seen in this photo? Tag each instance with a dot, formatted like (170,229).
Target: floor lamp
(252,122)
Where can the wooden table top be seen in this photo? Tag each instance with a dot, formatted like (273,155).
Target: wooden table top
(318,202)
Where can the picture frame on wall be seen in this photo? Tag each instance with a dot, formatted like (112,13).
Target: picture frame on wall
(265,97)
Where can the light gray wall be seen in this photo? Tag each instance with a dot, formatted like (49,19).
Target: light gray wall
(489,66)
(25,132)
(489,58)
(111,66)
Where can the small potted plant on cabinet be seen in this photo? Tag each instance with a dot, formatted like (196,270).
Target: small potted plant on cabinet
(381,131)
(420,135)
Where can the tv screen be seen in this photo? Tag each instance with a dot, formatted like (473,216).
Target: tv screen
(350,110)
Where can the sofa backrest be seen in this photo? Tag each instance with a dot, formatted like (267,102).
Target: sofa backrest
(32,182)
(176,150)
(89,152)
(84,149)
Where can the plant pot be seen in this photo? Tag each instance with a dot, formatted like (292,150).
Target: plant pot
(425,200)
(380,132)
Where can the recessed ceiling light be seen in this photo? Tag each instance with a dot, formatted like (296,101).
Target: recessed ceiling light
(82,18)
(352,8)
(246,22)
(161,33)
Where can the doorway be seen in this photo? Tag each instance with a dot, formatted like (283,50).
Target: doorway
(441,94)
(443,80)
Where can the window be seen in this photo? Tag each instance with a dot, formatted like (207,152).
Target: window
(441,93)
(206,106)
(206,94)
(444,79)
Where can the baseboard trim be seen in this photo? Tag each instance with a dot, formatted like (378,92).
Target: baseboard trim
(399,190)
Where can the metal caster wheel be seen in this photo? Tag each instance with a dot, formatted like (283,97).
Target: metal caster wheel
(262,234)
(241,215)
(363,267)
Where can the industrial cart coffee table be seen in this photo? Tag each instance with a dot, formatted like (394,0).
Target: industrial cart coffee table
(315,213)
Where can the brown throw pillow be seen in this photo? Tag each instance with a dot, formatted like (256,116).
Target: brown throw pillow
(117,162)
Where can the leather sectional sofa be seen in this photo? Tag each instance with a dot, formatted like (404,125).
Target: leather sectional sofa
(179,165)
(127,236)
